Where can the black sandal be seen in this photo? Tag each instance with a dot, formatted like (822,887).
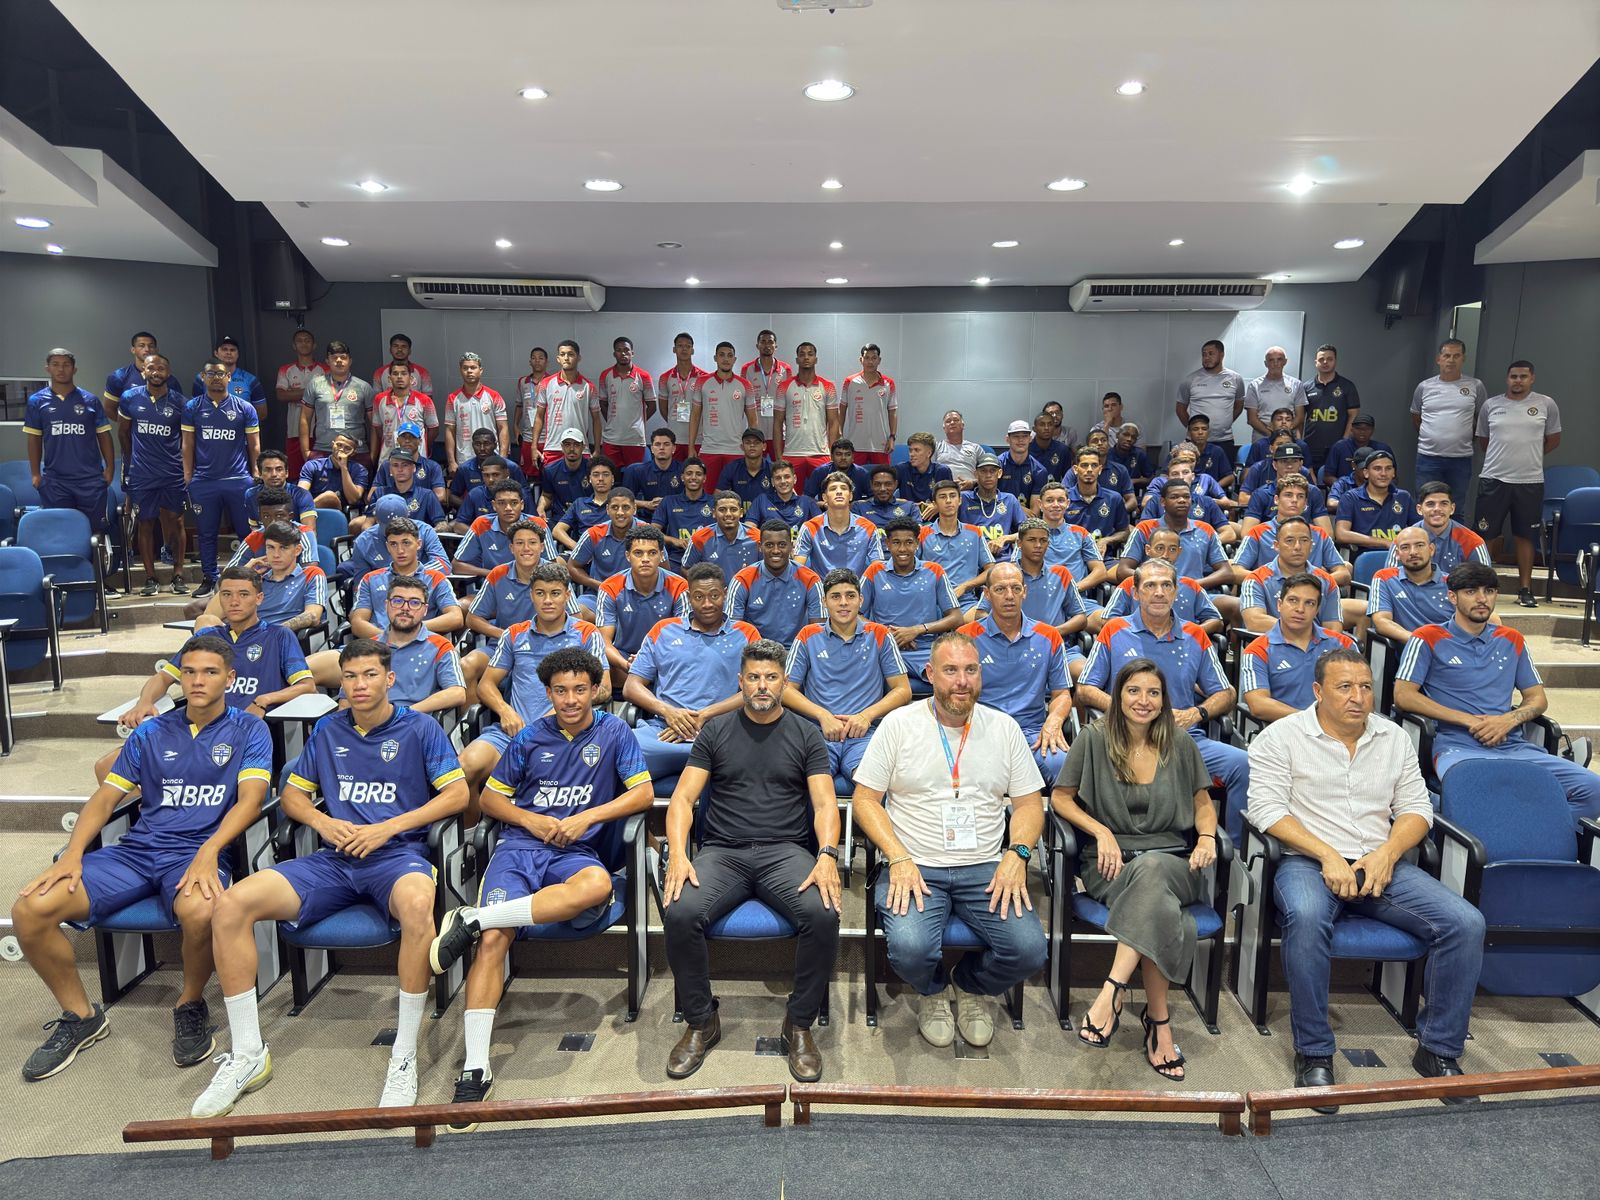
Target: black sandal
(1097,1038)
(1171,1064)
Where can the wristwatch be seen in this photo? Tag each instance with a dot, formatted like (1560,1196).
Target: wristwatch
(831,851)
(1021,851)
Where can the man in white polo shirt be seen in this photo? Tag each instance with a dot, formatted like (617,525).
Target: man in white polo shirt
(956,452)
(1515,430)
(1213,391)
(1266,394)
(566,400)
(1443,412)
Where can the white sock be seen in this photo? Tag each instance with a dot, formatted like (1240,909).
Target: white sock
(508,914)
(405,1034)
(244,1022)
(480,1030)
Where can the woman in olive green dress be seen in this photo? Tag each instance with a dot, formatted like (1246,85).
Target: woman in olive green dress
(1137,790)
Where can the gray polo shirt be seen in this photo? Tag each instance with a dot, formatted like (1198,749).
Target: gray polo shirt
(337,408)
(1266,396)
(1447,411)
(1516,430)
(1213,396)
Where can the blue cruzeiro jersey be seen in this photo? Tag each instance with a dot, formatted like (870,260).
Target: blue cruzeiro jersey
(793,512)
(1263,587)
(266,659)
(922,596)
(731,554)
(823,549)
(630,614)
(647,481)
(777,605)
(546,770)
(1191,604)
(189,778)
(1471,673)
(522,648)
(155,458)
(284,599)
(1259,546)
(370,775)
(221,436)
(1073,547)
(1019,674)
(1412,605)
(423,666)
(70,427)
(688,667)
(844,676)
(1185,656)
(963,554)
(679,516)
(1286,672)
(504,600)
(997,518)
(373,594)
(881,514)
(487,546)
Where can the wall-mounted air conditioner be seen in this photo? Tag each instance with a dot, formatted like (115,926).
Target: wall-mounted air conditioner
(543,295)
(1167,295)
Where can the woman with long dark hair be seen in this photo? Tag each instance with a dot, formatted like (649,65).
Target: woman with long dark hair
(1137,786)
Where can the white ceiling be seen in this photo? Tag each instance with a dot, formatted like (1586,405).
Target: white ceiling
(963,111)
(1561,221)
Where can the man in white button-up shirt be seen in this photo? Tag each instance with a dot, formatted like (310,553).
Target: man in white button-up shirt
(1340,788)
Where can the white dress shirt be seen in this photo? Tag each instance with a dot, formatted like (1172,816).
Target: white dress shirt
(1349,801)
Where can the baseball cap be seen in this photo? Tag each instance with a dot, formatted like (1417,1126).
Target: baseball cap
(1375,455)
(1365,419)
(1360,457)
(401,454)
(229,340)
(389,507)
(1018,427)
(753,432)
(62,352)
(986,460)
(412,428)
(573,435)
(1287,451)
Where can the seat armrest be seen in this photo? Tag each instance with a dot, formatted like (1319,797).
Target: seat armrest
(1551,730)
(1224,846)
(1588,835)
(1066,837)
(436,831)
(1271,846)
(483,837)
(632,829)
(1447,831)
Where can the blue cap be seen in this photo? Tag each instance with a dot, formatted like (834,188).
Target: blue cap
(412,428)
(389,506)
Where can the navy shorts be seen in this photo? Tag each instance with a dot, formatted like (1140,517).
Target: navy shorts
(522,870)
(120,875)
(147,501)
(328,881)
(88,496)
(496,737)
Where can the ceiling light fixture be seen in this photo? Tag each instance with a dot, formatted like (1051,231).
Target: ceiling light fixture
(1279,278)
(1300,185)
(692,281)
(833,185)
(602,185)
(502,243)
(1349,243)
(835,245)
(1131,88)
(669,245)
(334,241)
(33,222)
(828,90)
(372,186)
(52,248)
(837,279)
(1067,184)
(534,93)
(1008,244)
(982,281)
(1175,242)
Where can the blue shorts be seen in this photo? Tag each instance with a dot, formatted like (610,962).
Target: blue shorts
(120,875)
(522,870)
(147,501)
(328,882)
(496,737)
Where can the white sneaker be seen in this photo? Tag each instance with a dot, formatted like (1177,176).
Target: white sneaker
(236,1075)
(400,1084)
(975,1019)
(935,1022)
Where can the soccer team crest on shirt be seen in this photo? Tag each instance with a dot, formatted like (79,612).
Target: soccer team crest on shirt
(221,753)
(591,755)
(253,653)
(388,750)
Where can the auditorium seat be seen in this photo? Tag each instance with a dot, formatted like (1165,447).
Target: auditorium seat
(71,555)
(18,476)
(1559,482)
(26,596)
(1575,558)
(9,512)
(332,524)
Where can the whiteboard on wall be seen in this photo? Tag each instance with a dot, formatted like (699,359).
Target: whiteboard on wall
(993,366)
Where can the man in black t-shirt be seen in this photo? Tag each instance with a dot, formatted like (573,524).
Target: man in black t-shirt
(770,792)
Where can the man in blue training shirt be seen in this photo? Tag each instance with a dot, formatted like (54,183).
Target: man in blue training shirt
(201,774)
(729,542)
(883,506)
(1415,593)
(751,475)
(69,443)
(221,439)
(1276,670)
(130,374)
(782,503)
(386,774)
(777,595)
(563,791)
(149,416)
(948,541)
(912,598)
(631,602)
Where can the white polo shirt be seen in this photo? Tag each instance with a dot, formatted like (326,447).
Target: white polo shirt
(1213,396)
(802,409)
(723,419)
(565,406)
(624,398)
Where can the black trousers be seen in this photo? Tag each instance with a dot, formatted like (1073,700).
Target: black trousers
(728,877)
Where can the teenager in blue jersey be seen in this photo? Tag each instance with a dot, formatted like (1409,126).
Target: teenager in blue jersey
(777,595)
(221,439)
(487,544)
(479,500)
(386,774)
(370,551)
(783,503)
(1071,546)
(272,468)
(842,461)
(750,475)
(838,538)
(563,791)
(131,374)
(911,597)
(469,474)
(1414,593)
(632,601)
(659,474)
(993,510)
(730,542)
(917,475)
(150,416)
(1261,588)
(950,542)
(201,773)
(683,512)
(882,505)
(336,480)
(603,549)
(69,442)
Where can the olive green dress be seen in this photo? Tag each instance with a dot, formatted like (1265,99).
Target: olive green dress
(1147,898)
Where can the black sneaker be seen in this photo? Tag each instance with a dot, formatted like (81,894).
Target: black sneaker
(193,1035)
(206,589)
(471,1086)
(457,933)
(68,1035)
(150,588)
(179,587)
(1525,598)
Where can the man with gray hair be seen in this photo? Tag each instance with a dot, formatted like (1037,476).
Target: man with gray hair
(955,452)
(1266,394)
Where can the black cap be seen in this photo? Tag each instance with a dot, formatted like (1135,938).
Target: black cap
(1287,451)
(1374,455)
(1365,419)
(1359,458)
(229,340)
(401,454)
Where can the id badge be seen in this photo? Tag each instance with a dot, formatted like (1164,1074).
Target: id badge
(960,827)
(342,418)
(682,408)
(765,407)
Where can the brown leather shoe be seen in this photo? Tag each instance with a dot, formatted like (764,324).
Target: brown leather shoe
(805,1060)
(693,1047)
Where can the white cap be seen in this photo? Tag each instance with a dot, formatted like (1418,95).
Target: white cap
(573,435)
(1018,427)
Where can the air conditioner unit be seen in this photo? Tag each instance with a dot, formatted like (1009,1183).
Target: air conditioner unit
(1167,295)
(542,295)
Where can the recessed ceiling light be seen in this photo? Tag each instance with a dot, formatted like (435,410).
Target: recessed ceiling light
(533,93)
(837,279)
(373,186)
(835,245)
(33,222)
(397,277)
(502,243)
(829,90)
(1349,243)
(1131,88)
(602,185)
(1175,242)
(692,281)
(982,281)
(833,185)
(333,241)
(1300,185)
(1005,245)
(1279,278)
(1067,184)
(52,248)
(669,245)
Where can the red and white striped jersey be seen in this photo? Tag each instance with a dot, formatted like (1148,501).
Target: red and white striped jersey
(803,410)
(766,384)
(293,375)
(484,409)
(564,405)
(622,401)
(723,416)
(389,412)
(866,412)
(421,379)
(675,398)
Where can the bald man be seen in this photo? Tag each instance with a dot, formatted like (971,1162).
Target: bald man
(1268,393)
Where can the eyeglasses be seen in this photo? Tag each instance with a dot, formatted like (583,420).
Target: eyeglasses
(407,602)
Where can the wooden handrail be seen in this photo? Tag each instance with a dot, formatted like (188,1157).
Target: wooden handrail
(1229,1106)
(425,1118)
(1263,1104)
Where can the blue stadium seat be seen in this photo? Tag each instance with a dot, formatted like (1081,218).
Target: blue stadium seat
(331,524)
(26,596)
(1067,904)
(1367,564)
(1558,482)
(1507,845)
(1396,955)
(8,514)
(1575,555)
(70,552)
(900,454)
(18,476)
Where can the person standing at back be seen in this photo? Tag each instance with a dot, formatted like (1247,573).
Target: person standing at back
(221,439)
(1213,391)
(870,409)
(767,373)
(627,402)
(1332,405)
(69,442)
(1515,430)
(1444,410)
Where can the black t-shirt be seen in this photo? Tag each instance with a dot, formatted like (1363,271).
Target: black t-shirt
(758,789)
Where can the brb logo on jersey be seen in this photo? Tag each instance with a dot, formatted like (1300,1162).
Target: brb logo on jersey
(552,796)
(213,433)
(358,791)
(66,428)
(185,795)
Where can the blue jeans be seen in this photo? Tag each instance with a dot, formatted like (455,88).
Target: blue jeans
(1415,902)
(213,497)
(1230,766)
(1015,950)
(1457,472)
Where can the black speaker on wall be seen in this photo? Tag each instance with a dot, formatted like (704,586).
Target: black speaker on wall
(1401,281)
(280,277)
